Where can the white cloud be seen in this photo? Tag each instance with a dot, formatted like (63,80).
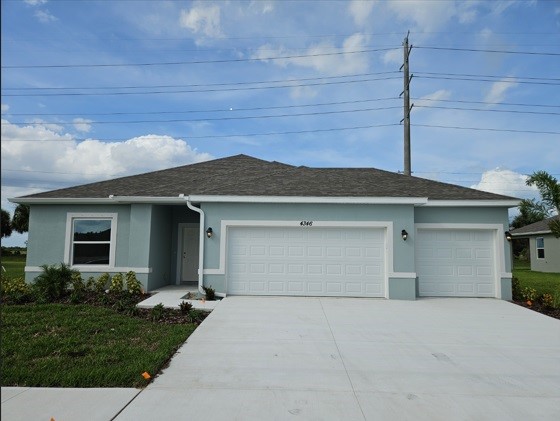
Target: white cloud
(45,16)
(505,182)
(433,98)
(5,108)
(35,2)
(360,10)
(432,15)
(498,90)
(202,19)
(44,159)
(82,125)
(393,56)
(263,6)
(324,57)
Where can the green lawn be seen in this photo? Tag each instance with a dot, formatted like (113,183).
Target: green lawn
(59,345)
(543,282)
(14,266)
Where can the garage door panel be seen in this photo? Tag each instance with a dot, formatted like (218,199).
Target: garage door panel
(455,262)
(306,261)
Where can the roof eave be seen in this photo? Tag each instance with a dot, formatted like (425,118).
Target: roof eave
(97,200)
(309,199)
(509,203)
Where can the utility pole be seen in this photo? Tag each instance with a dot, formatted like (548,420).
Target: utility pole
(406,96)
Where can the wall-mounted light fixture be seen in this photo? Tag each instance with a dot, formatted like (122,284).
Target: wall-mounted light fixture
(209,232)
(508,235)
(404,235)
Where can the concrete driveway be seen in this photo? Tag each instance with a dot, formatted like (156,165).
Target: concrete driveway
(278,358)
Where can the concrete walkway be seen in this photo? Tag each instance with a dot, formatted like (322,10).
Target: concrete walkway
(278,358)
(172,295)
(41,403)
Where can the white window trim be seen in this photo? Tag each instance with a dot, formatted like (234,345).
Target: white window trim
(499,246)
(537,248)
(70,217)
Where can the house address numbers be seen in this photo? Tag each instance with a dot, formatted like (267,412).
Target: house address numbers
(306,223)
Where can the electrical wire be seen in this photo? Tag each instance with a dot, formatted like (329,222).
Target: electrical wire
(179,63)
(215,118)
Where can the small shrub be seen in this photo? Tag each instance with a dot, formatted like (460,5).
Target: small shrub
(78,293)
(547,300)
(210,293)
(101,282)
(185,307)
(117,283)
(516,293)
(529,294)
(90,283)
(125,304)
(15,290)
(133,285)
(52,284)
(157,312)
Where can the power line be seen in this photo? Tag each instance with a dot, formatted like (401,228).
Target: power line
(203,84)
(216,136)
(515,78)
(524,82)
(487,110)
(488,103)
(197,90)
(541,53)
(210,110)
(485,129)
(213,118)
(178,63)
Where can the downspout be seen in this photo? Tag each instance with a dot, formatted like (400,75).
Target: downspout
(200,245)
(201,249)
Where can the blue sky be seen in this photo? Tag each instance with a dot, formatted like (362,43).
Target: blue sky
(100,89)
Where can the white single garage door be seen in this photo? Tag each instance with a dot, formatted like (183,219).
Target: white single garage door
(455,262)
(306,261)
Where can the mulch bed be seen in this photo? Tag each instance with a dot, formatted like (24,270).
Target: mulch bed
(539,308)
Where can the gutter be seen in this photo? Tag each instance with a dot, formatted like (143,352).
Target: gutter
(201,249)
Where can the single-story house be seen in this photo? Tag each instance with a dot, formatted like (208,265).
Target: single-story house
(544,247)
(245,226)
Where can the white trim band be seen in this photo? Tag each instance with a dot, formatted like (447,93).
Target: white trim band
(98,269)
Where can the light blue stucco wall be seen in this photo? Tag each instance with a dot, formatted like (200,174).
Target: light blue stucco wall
(146,239)
(402,217)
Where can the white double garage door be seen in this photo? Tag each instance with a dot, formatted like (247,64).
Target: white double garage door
(352,261)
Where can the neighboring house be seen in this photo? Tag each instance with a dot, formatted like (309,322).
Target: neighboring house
(544,247)
(245,226)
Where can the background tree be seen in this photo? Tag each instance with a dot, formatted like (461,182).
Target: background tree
(530,211)
(20,220)
(6,224)
(549,189)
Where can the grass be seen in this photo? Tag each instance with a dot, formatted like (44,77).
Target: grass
(14,266)
(543,282)
(61,345)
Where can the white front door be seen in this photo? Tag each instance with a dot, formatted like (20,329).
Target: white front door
(190,249)
(338,261)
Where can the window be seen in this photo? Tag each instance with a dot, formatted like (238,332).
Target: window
(92,239)
(540,248)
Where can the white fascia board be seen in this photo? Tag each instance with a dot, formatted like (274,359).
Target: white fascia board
(525,234)
(148,199)
(309,199)
(473,203)
(97,200)
(61,200)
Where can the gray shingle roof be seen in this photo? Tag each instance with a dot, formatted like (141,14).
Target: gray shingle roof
(242,175)
(537,227)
